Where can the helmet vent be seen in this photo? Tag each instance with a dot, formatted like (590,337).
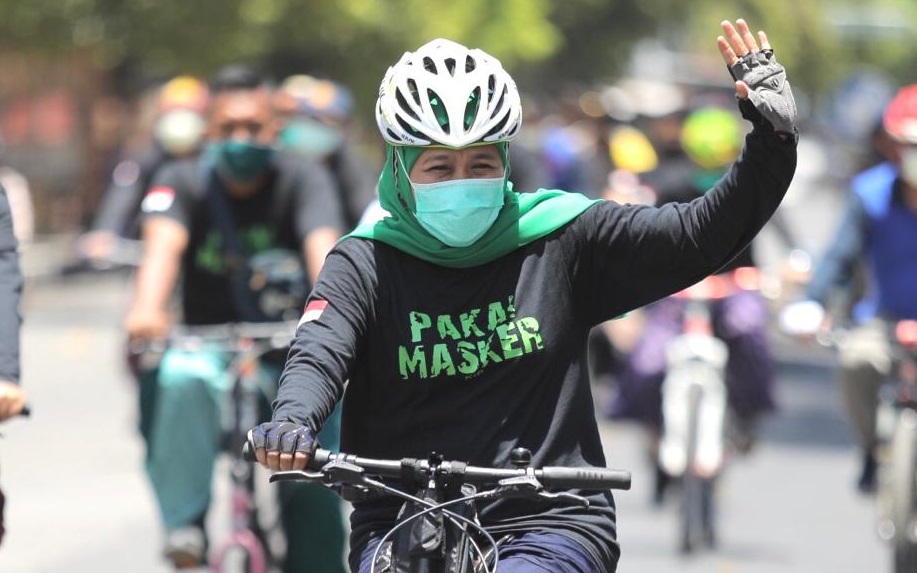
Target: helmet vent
(450,66)
(499,107)
(412,86)
(403,104)
(471,108)
(442,116)
(491,83)
(497,128)
(429,65)
(470,64)
(404,125)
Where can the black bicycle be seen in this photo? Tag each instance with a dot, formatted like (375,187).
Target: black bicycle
(437,529)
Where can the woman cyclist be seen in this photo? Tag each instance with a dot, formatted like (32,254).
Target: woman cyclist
(461,320)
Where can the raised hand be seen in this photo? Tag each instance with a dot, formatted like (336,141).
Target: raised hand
(759,78)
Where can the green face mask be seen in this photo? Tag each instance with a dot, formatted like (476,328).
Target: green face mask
(241,161)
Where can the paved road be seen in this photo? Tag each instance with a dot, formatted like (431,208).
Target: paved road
(78,501)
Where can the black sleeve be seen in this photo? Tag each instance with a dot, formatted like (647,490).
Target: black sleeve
(838,265)
(170,192)
(637,254)
(317,201)
(10,292)
(119,206)
(119,209)
(324,348)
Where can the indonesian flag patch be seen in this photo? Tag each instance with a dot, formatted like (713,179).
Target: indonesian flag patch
(158,199)
(313,311)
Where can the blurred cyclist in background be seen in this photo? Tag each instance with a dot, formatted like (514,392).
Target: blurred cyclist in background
(19,198)
(177,131)
(877,234)
(711,137)
(12,396)
(215,219)
(317,113)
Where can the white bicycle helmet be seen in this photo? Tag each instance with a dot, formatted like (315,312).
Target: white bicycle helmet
(447,94)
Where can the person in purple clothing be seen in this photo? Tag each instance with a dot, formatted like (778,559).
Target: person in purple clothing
(459,323)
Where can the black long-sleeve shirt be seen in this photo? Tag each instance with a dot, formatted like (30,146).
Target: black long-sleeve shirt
(474,362)
(10,291)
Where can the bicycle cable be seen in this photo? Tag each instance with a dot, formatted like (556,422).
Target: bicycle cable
(453,517)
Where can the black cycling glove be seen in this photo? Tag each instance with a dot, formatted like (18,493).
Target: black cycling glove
(283,437)
(769,89)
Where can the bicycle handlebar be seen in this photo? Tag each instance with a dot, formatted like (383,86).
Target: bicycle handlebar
(279,334)
(255,330)
(588,478)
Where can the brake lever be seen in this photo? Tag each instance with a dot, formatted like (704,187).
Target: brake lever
(332,473)
(297,475)
(520,486)
(577,499)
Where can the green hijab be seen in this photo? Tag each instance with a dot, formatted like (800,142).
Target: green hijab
(525,217)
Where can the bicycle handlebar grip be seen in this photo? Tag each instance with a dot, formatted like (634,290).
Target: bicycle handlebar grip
(248,454)
(585,478)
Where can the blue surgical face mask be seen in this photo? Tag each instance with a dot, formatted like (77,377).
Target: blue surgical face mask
(460,211)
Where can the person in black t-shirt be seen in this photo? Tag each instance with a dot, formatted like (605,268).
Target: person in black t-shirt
(211,219)
(318,113)
(459,323)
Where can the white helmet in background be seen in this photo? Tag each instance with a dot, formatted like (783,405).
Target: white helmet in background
(447,94)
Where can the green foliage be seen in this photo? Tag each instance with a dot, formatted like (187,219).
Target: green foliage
(544,42)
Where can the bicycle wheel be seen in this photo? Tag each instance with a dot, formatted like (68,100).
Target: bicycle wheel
(692,487)
(903,484)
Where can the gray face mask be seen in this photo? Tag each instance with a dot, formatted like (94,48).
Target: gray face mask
(909,166)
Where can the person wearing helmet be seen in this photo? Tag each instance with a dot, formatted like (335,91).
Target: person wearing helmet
(317,113)
(177,131)
(877,235)
(246,227)
(459,322)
